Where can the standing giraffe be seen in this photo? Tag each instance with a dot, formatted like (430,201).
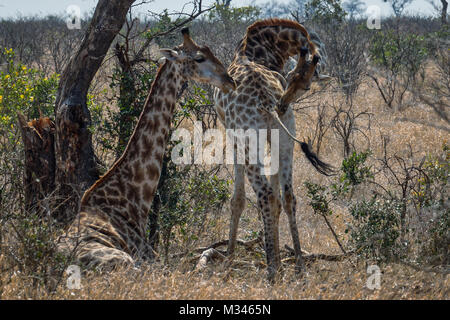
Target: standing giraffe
(257,68)
(110,227)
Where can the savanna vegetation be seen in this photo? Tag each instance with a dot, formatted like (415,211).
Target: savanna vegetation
(383,122)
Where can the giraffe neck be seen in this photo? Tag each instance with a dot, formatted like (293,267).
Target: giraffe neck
(271,43)
(127,189)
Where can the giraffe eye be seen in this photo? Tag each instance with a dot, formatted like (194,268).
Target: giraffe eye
(199,59)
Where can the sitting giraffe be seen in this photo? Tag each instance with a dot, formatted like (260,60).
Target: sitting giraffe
(257,68)
(110,227)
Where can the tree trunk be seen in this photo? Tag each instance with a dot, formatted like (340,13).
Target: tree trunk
(444,12)
(39,178)
(76,168)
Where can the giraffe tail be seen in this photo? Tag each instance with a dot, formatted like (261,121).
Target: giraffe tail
(322,167)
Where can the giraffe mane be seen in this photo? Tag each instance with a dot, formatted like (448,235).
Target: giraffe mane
(102,179)
(274,22)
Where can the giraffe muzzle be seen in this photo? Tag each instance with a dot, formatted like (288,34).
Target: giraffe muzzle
(229,84)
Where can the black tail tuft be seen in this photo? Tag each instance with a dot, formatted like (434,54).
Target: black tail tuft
(322,167)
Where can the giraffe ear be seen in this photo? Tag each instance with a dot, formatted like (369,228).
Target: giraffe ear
(316,59)
(169,54)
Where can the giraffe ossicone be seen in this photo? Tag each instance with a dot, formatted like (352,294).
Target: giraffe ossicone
(110,228)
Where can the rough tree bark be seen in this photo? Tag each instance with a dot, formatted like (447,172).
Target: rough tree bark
(39,177)
(76,166)
(444,12)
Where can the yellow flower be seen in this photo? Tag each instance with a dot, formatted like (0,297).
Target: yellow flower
(31,99)
(24,68)
(7,77)
(1,98)
(22,96)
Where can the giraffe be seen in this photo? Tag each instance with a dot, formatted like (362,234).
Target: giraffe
(110,227)
(257,69)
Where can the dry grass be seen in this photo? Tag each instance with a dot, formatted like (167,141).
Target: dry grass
(328,280)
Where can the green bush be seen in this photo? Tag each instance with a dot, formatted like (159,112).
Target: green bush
(32,249)
(230,15)
(391,225)
(115,125)
(375,229)
(326,11)
(24,90)
(354,172)
(398,52)
(27,241)
(400,57)
(431,201)
(187,194)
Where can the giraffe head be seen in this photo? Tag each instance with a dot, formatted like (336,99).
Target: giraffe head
(199,63)
(299,80)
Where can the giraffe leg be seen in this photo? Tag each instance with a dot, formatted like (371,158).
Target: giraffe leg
(103,258)
(288,197)
(237,206)
(289,204)
(270,210)
(275,185)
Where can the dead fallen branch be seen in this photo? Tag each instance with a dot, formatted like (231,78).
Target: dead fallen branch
(311,257)
(211,252)
(247,244)
(207,255)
